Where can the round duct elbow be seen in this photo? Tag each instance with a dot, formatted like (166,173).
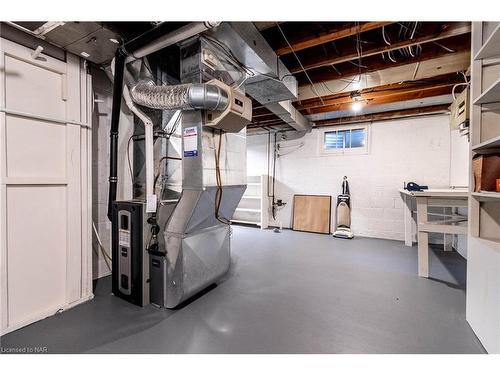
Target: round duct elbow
(183,97)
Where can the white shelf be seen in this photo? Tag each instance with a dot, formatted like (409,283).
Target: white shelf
(245,222)
(490,48)
(487,196)
(483,268)
(487,145)
(253,207)
(490,95)
(256,210)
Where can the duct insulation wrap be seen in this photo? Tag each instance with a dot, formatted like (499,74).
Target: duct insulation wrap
(184,97)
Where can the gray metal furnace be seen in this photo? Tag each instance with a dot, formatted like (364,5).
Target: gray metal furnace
(200,175)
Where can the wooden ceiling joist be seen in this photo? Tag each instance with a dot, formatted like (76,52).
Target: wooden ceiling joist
(379,79)
(371,100)
(389,115)
(376,64)
(455,30)
(400,88)
(329,37)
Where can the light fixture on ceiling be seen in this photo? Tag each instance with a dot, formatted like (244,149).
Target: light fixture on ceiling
(357,103)
(355,95)
(113,40)
(356,106)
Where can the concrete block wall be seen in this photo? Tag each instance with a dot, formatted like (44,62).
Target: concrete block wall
(414,149)
(101,122)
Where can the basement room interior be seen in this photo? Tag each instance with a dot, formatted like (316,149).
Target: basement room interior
(250,187)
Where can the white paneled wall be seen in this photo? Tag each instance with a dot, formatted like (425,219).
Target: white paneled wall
(101,123)
(413,149)
(44,185)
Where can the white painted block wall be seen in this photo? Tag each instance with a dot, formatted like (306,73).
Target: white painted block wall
(414,149)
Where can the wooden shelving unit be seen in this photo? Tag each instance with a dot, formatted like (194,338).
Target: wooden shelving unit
(483,250)
(253,208)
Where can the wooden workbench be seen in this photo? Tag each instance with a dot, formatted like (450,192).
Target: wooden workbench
(432,198)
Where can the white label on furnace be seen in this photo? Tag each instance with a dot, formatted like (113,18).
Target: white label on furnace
(124,238)
(151,203)
(190,137)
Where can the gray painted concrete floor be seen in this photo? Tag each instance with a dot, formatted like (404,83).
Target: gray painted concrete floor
(290,292)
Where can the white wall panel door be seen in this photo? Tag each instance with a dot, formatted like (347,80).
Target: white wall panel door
(459,159)
(44,187)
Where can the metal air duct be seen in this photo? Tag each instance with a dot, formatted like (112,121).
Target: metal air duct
(184,97)
(169,39)
(272,85)
(137,48)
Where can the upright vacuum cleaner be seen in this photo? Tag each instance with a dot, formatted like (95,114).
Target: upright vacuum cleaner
(343,229)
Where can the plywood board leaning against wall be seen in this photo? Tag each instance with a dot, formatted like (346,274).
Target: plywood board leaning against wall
(312,213)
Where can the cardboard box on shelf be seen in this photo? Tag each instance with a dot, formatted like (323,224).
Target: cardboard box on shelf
(486,170)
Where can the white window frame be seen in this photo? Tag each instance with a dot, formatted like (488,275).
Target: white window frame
(343,151)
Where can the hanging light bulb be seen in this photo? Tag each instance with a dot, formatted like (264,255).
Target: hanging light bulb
(356,106)
(357,103)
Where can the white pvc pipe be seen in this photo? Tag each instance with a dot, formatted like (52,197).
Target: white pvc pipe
(149,143)
(148,136)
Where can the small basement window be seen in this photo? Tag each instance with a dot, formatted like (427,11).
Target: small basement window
(345,140)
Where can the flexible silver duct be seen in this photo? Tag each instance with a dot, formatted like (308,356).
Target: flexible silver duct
(184,97)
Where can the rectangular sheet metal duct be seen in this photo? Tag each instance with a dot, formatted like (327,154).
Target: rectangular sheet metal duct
(273,85)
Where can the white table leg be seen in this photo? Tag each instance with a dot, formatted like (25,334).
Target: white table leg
(448,242)
(423,238)
(448,238)
(408,220)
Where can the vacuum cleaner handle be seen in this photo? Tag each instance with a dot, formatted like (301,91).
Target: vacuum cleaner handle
(345,186)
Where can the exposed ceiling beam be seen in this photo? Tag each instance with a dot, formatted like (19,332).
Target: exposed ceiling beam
(329,37)
(376,63)
(399,88)
(446,64)
(371,100)
(420,111)
(455,30)
(396,106)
